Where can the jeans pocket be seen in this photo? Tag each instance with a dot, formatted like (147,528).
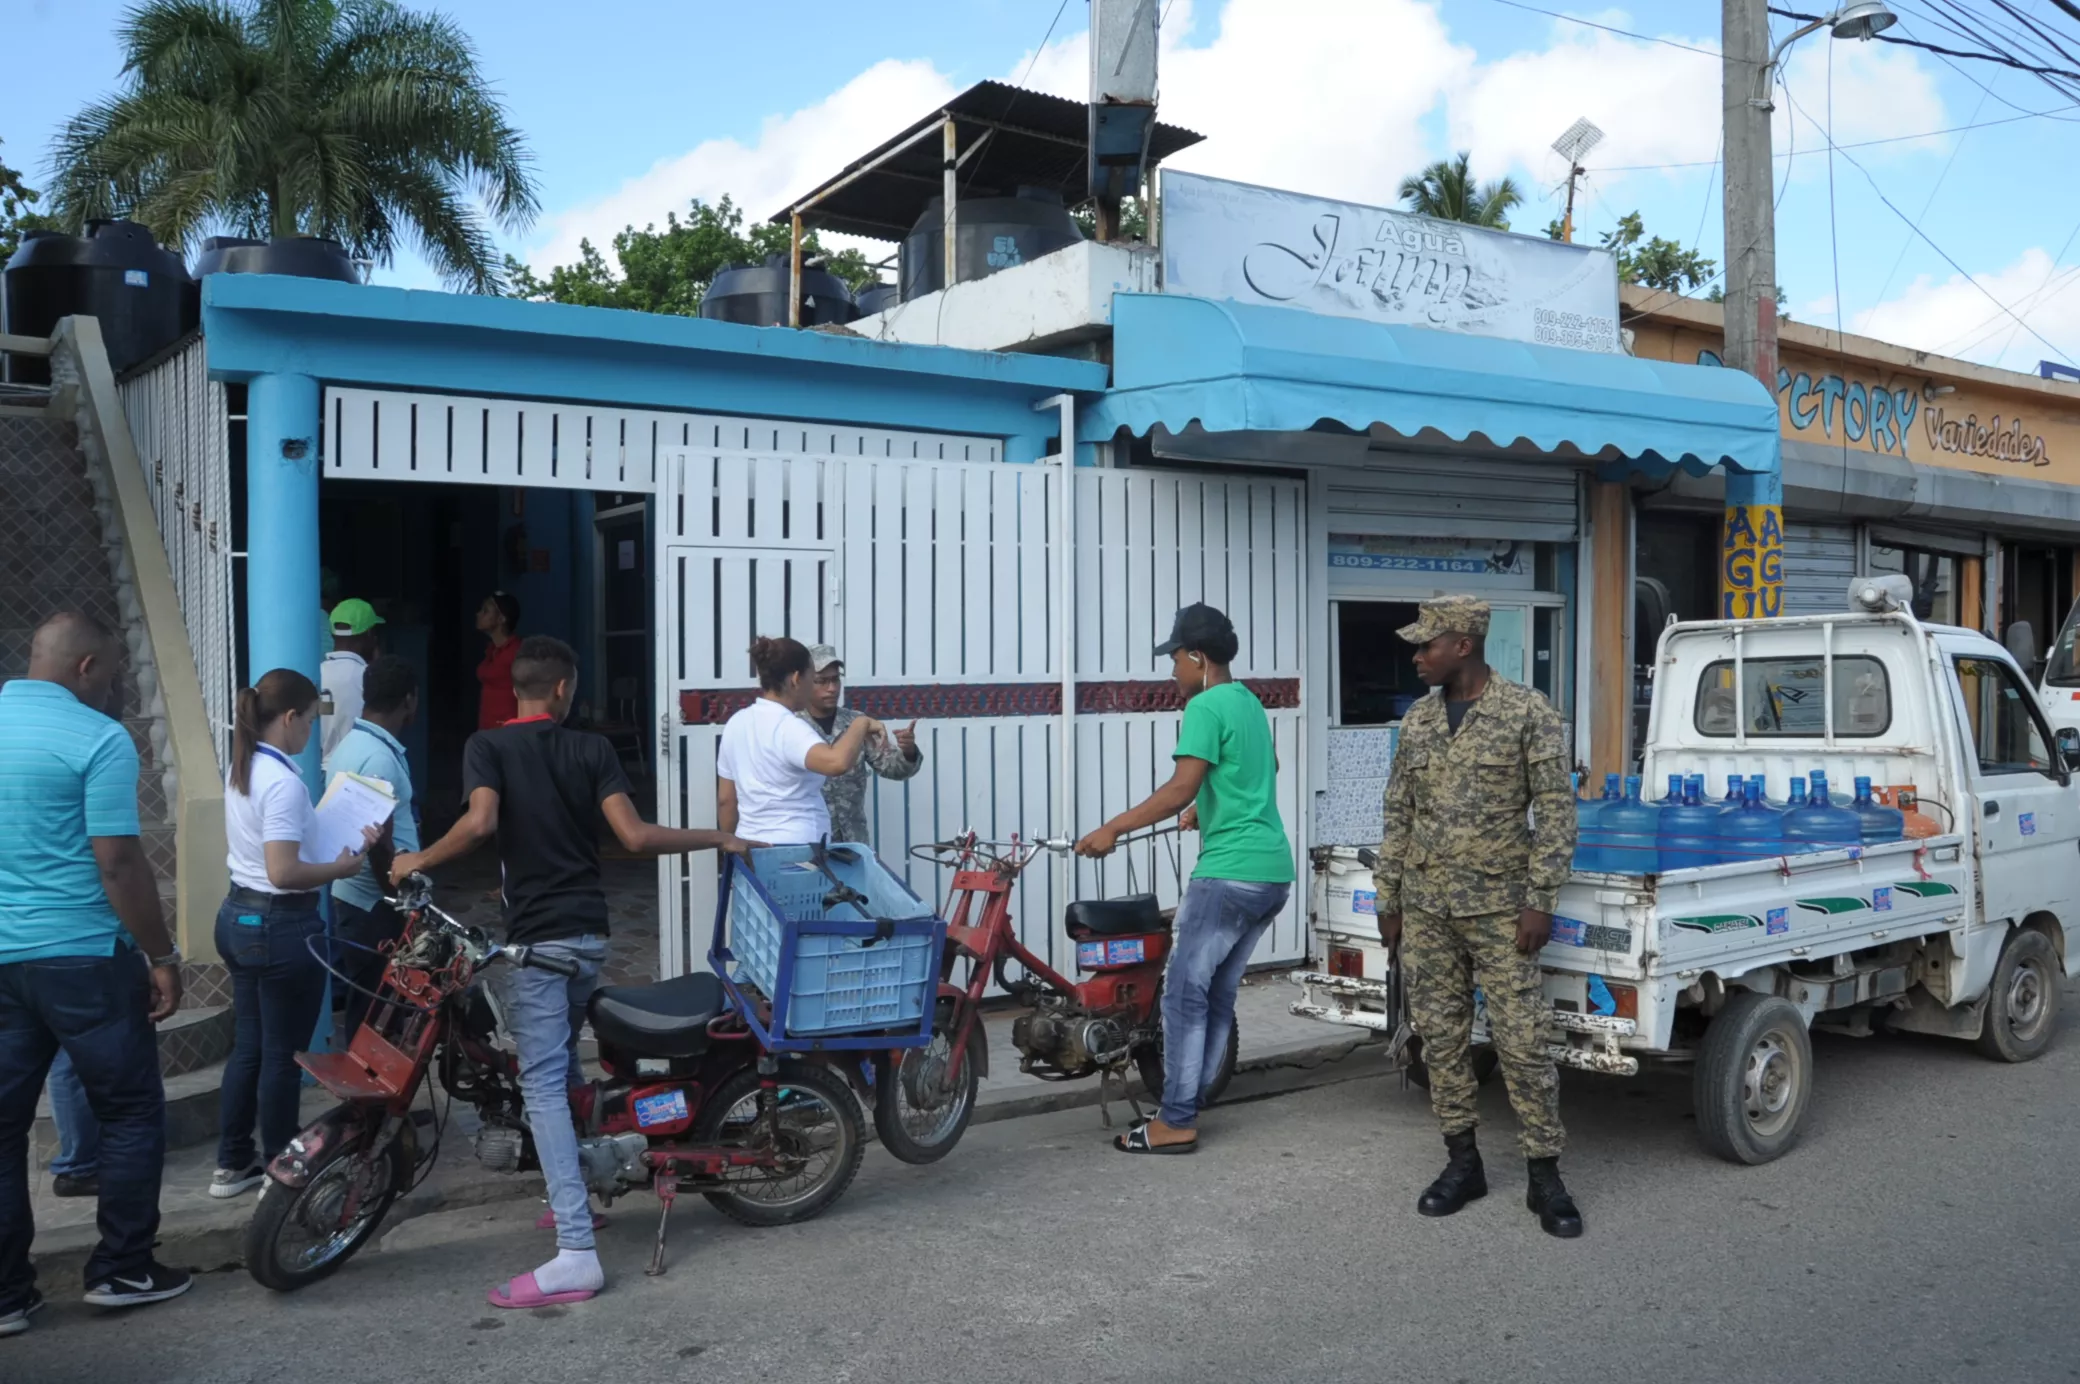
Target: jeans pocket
(241,937)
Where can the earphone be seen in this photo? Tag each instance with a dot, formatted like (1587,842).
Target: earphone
(1199,659)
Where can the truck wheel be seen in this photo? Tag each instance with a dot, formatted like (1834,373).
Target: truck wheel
(1485,1063)
(2022,1006)
(1754,1078)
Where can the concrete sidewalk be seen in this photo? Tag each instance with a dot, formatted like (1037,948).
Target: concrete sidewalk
(1281,1052)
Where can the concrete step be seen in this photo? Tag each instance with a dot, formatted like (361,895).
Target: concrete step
(195,1038)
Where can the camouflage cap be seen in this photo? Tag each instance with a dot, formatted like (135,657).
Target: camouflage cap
(1447,615)
(822,656)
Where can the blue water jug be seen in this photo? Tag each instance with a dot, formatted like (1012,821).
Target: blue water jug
(1821,826)
(1688,835)
(1752,831)
(1761,782)
(1629,828)
(1734,784)
(1589,854)
(1798,795)
(1880,823)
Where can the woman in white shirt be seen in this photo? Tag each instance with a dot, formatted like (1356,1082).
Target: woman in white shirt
(266,923)
(772,764)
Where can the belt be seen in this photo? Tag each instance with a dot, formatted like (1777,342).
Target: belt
(259,901)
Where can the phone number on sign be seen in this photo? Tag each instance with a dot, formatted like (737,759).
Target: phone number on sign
(1407,564)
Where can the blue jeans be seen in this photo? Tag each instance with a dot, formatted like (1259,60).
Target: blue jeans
(545,1013)
(1218,924)
(277,988)
(79,1133)
(96,1009)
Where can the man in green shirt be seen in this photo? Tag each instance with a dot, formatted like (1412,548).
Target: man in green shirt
(1225,785)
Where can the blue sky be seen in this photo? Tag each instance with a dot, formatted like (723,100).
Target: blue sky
(633,106)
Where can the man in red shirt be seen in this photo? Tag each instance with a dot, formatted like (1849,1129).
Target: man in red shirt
(498,620)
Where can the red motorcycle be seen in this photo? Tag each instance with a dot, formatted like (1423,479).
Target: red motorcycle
(1099,1026)
(693,1101)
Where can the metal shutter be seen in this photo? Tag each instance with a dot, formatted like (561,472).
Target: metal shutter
(1819,564)
(1456,497)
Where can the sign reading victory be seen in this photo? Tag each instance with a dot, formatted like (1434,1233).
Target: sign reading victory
(1259,245)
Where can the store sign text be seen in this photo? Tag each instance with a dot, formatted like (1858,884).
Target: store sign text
(1751,575)
(1366,553)
(1866,412)
(1966,436)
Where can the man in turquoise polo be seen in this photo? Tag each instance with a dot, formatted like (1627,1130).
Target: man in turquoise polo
(86,965)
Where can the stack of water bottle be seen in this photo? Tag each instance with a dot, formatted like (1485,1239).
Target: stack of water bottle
(1621,834)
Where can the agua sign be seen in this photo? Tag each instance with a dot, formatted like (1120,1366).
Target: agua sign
(1252,244)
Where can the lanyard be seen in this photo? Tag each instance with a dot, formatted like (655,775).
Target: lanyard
(277,755)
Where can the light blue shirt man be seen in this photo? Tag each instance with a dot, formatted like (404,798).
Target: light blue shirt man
(372,752)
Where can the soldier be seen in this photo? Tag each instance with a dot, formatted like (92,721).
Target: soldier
(1476,883)
(894,759)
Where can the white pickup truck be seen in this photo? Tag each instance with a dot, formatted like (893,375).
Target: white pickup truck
(1965,933)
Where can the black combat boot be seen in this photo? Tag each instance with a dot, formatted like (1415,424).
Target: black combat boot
(1462,1180)
(1548,1197)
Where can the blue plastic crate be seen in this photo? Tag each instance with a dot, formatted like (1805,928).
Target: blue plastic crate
(837,977)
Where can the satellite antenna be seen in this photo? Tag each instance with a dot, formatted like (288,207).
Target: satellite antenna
(1578,140)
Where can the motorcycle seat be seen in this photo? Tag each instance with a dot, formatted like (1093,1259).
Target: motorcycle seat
(1120,917)
(667,1019)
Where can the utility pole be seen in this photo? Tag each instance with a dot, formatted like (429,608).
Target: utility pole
(1567,221)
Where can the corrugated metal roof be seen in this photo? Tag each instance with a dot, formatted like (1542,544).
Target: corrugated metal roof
(1025,139)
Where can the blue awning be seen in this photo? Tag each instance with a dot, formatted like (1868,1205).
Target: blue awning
(1240,367)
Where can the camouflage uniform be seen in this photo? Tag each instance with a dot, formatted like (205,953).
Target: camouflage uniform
(846,795)
(1459,861)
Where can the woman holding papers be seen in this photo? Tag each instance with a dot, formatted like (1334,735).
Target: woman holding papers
(267,921)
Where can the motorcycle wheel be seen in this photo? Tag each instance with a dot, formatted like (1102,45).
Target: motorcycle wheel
(820,1133)
(1148,1058)
(918,1116)
(300,1235)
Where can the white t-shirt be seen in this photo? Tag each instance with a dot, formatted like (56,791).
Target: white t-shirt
(765,752)
(278,808)
(339,680)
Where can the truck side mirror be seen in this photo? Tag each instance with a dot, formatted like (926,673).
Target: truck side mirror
(2068,739)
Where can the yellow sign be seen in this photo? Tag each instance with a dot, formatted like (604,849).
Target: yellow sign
(1751,563)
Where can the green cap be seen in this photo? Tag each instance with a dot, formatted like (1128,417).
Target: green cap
(355,616)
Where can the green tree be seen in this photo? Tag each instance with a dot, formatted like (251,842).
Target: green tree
(356,119)
(1133,220)
(668,270)
(17,199)
(1656,263)
(1447,191)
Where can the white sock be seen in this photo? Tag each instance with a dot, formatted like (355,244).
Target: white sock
(571,1271)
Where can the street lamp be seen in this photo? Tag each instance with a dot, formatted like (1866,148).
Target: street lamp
(1859,21)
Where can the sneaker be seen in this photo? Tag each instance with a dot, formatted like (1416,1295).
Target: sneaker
(66,1185)
(155,1283)
(228,1182)
(16,1322)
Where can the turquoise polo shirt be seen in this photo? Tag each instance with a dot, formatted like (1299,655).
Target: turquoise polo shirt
(372,752)
(67,774)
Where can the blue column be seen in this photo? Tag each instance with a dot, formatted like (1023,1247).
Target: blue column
(283,626)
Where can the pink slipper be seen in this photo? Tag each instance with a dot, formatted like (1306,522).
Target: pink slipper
(548,1221)
(523,1292)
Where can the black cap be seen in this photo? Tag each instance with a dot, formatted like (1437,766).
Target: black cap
(1196,626)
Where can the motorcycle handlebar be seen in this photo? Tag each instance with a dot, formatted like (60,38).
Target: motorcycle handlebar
(555,965)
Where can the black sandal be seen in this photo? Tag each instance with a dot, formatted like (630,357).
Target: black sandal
(1135,1140)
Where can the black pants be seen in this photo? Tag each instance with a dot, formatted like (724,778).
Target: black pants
(362,933)
(96,1008)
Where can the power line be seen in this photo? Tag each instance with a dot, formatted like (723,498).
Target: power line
(1908,243)
(1608,28)
(1926,239)
(1858,144)
(1996,56)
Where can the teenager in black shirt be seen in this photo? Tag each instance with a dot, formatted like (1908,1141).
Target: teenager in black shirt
(543,790)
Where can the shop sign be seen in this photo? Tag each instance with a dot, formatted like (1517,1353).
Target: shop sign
(1250,244)
(1457,556)
(1968,437)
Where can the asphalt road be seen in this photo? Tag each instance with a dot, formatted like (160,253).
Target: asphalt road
(1922,1231)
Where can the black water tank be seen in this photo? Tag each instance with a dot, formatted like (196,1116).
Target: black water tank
(756,295)
(878,298)
(116,273)
(300,256)
(991,233)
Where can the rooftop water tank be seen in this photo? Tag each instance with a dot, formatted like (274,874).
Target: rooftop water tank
(756,295)
(878,298)
(299,256)
(990,233)
(116,273)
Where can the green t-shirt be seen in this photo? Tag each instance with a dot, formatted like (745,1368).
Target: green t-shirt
(1241,835)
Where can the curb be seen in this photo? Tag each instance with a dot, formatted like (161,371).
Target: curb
(213,1240)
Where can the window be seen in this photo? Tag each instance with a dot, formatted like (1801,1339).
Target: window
(1782,696)
(2004,733)
(1375,667)
(2063,670)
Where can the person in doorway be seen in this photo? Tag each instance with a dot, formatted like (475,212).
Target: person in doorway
(86,964)
(542,789)
(354,625)
(266,924)
(372,749)
(772,765)
(1480,834)
(1226,785)
(498,620)
(895,758)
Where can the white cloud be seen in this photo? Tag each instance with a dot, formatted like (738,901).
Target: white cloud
(1952,317)
(1881,91)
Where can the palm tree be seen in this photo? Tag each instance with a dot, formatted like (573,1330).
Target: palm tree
(1446,190)
(355,119)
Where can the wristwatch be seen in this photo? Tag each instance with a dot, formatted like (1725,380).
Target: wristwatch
(172,958)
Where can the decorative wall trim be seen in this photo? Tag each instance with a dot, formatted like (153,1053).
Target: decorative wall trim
(951,701)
